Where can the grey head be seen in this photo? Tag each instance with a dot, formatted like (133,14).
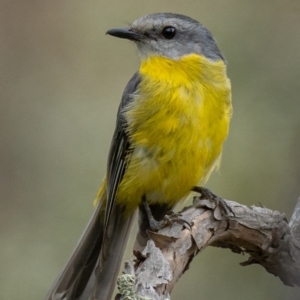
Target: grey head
(169,35)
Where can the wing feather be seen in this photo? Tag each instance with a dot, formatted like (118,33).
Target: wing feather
(120,148)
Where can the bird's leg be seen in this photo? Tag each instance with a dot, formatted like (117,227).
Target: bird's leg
(169,218)
(219,202)
(154,224)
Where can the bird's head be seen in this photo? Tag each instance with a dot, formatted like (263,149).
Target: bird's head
(169,35)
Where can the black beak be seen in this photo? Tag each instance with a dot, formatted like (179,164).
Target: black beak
(125,33)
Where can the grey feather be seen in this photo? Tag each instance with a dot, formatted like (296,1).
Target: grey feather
(191,37)
(94,265)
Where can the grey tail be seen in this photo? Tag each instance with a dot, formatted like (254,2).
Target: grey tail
(108,265)
(92,270)
(73,279)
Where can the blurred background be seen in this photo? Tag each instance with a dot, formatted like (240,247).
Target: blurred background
(61,82)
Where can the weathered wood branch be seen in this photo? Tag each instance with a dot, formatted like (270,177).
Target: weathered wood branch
(264,234)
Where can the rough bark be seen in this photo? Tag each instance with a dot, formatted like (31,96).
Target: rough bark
(263,234)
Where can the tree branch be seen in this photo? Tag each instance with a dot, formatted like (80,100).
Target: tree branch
(260,232)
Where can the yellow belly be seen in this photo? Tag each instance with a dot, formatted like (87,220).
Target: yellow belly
(178,121)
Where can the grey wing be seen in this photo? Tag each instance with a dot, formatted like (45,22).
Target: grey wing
(77,278)
(120,147)
(116,226)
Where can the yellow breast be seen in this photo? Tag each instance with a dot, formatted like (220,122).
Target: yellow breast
(177,124)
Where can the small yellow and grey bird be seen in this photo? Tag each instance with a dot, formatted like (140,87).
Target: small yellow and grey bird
(171,125)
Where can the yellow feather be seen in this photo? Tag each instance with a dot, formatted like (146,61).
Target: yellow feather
(177,124)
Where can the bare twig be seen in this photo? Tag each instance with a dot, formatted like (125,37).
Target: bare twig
(260,232)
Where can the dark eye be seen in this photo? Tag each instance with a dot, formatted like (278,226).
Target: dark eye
(169,32)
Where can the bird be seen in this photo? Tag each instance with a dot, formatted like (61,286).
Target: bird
(171,125)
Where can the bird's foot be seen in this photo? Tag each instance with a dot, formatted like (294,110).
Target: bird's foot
(169,219)
(219,202)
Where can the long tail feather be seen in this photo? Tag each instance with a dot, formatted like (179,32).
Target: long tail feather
(92,270)
(114,244)
(73,279)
